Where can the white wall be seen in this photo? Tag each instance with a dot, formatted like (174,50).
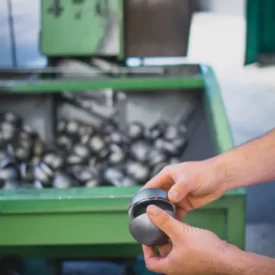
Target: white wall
(229,7)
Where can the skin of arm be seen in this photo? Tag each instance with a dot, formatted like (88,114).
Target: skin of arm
(250,163)
(244,263)
(199,183)
(198,251)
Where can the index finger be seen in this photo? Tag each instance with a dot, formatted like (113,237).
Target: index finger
(162,180)
(153,262)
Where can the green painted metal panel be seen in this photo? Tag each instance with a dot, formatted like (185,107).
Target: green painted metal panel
(83,28)
(93,222)
(120,83)
(260,35)
(252,31)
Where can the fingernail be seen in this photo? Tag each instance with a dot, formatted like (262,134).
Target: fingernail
(153,210)
(174,195)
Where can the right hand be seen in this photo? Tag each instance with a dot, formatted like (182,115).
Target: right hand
(191,185)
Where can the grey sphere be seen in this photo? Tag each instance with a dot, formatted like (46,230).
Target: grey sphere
(141,227)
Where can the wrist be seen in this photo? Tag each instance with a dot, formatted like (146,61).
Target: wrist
(222,174)
(229,167)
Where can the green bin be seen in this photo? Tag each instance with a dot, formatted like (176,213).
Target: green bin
(92,222)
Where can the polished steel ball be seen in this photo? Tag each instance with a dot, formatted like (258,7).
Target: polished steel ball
(141,227)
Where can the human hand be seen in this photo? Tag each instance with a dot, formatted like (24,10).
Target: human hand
(193,250)
(191,185)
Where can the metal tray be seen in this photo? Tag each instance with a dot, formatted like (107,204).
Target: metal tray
(81,222)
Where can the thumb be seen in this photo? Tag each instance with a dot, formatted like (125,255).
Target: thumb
(170,226)
(179,190)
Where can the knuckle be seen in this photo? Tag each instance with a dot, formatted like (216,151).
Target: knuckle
(166,169)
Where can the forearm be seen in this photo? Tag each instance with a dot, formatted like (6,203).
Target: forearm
(250,163)
(238,262)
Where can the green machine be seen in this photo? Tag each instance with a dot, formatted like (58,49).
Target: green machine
(60,224)
(114,29)
(260,38)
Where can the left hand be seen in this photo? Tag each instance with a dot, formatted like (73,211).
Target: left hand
(193,250)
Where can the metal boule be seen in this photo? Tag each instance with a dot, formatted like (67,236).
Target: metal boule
(84,139)
(160,144)
(37,184)
(108,127)
(25,138)
(128,182)
(27,133)
(156,156)
(61,125)
(118,137)
(86,130)
(43,173)
(22,154)
(85,174)
(62,181)
(38,148)
(11,118)
(3,155)
(73,159)
(26,172)
(171,133)
(138,171)
(35,160)
(103,154)
(181,143)
(113,176)
(97,144)
(175,147)
(140,150)
(156,131)
(94,182)
(117,155)
(136,130)
(72,127)
(171,148)
(9,173)
(64,142)
(27,144)
(81,150)
(54,160)
(8,130)
(8,161)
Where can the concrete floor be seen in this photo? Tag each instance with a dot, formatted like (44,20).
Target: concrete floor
(249,93)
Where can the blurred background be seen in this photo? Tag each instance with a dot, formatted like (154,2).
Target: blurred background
(218,37)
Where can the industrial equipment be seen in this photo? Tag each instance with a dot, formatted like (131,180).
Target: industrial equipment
(79,137)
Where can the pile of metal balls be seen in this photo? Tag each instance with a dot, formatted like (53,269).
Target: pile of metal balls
(86,155)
